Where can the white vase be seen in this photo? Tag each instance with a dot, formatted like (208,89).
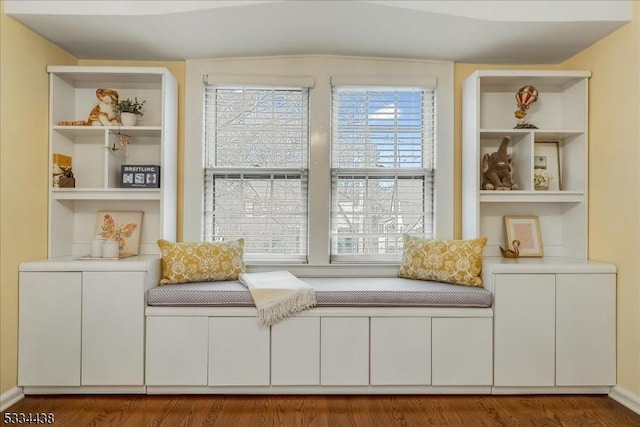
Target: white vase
(128,119)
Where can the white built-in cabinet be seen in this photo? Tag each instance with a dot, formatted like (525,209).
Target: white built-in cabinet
(555,324)
(325,350)
(554,316)
(81,323)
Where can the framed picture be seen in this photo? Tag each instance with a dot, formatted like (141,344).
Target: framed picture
(526,229)
(123,227)
(546,166)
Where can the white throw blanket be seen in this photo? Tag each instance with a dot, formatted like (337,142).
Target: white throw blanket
(277,295)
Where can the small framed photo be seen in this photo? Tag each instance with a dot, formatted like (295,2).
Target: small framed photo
(546,166)
(525,229)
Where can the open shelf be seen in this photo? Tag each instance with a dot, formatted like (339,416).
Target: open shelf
(559,146)
(99,152)
(106,194)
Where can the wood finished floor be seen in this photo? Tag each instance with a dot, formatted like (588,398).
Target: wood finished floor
(330,411)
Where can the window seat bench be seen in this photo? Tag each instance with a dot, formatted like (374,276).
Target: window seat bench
(366,336)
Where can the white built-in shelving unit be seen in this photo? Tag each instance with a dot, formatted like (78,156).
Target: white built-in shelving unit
(98,155)
(560,114)
(554,317)
(82,321)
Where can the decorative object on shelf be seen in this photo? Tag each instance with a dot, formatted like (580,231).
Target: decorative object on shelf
(96,247)
(541,179)
(511,253)
(103,113)
(67,179)
(62,171)
(122,227)
(122,140)
(129,110)
(110,249)
(546,166)
(140,176)
(497,169)
(525,97)
(525,229)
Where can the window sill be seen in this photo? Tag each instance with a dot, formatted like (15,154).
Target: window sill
(389,269)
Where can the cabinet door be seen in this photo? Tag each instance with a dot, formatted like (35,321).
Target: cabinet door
(585,329)
(49,331)
(524,330)
(295,351)
(400,351)
(177,351)
(113,328)
(344,351)
(238,351)
(462,351)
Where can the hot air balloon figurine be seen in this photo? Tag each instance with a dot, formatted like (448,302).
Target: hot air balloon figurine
(525,97)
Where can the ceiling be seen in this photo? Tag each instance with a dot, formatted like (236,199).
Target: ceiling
(464,31)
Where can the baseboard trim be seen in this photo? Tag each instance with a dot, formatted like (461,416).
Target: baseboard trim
(626,398)
(11,396)
(125,389)
(552,390)
(319,390)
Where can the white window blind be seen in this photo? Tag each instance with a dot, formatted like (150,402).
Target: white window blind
(383,151)
(255,169)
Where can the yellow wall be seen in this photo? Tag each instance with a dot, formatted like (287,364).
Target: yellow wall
(614,178)
(24,118)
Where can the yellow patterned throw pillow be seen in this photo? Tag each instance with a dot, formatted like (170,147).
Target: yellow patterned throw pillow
(452,261)
(201,261)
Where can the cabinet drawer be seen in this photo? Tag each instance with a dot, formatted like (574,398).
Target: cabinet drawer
(400,351)
(462,351)
(344,350)
(177,351)
(295,351)
(524,330)
(238,352)
(49,332)
(585,329)
(113,328)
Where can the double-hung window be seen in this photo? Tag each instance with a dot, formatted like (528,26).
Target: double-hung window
(320,163)
(383,151)
(255,169)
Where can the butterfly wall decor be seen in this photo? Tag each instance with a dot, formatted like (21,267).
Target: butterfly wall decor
(123,227)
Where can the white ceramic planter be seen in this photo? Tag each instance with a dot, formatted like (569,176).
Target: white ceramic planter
(128,119)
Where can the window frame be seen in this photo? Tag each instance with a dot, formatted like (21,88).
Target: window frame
(319,71)
(246,172)
(392,172)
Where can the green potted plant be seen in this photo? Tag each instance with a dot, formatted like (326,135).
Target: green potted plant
(129,110)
